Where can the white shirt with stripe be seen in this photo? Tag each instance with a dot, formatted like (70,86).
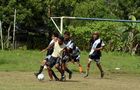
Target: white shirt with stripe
(94,45)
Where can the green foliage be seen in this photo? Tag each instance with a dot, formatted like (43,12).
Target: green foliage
(33,16)
(109,32)
(92,8)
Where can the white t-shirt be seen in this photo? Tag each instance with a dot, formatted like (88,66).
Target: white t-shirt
(53,40)
(58,49)
(94,45)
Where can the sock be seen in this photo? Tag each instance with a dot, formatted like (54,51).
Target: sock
(80,69)
(54,75)
(50,74)
(41,69)
(61,71)
(67,70)
(88,67)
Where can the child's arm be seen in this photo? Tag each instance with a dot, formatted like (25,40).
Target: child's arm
(101,48)
(97,49)
(50,46)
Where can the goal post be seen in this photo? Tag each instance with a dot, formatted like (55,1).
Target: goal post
(60,29)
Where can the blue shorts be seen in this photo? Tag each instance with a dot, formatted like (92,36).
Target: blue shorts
(47,57)
(65,59)
(76,58)
(95,58)
(51,61)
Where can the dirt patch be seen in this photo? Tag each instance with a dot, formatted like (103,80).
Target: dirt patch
(27,81)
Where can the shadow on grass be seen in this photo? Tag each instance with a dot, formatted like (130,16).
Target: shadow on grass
(71,81)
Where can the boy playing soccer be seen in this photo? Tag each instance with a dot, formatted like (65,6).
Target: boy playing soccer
(75,57)
(95,53)
(49,50)
(73,50)
(55,59)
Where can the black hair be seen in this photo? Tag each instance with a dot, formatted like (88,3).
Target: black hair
(61,38)
(55,34)
(67,33)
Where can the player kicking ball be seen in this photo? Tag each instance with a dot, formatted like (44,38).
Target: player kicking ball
(95,53)
(56,56)
(49,50)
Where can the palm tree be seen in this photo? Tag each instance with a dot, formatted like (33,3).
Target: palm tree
(131,35)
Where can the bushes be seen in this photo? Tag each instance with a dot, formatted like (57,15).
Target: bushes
(112,34)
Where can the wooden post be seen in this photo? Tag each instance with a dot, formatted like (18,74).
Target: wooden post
(8,36)
(1,35)
(14,29)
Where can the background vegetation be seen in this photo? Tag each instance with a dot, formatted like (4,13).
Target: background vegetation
(34,27)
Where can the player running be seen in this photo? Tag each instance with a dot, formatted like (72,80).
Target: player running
(95,53)
(75,57)
(56,57)
(49,50)
(72,55)
(66,55)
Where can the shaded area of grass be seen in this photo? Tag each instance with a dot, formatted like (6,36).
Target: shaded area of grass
(26,81)
(30,60)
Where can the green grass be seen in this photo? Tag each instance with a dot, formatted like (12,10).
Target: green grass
(20,60)
(30,60)
(17,67)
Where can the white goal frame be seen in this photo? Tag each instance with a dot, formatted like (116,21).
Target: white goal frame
(82,18)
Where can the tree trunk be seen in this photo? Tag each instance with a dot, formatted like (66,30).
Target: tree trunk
(2,47)
(134,50)
(8,36)
(14,30)
(49,10)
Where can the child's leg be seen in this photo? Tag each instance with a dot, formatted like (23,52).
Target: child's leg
(100,68)
(68,71)
(88,67)
(80,67)
(57,66)
(50,73)
(77,59)
(41,67)
(54,75)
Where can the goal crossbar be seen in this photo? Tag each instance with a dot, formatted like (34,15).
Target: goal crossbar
(82,18)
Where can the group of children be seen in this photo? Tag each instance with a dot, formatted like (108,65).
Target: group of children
(62,50)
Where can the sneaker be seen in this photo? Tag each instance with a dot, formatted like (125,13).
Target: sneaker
(56,79)
(70,75)
(36,74)
(102,74)
(63,78)
(86,76)
(50,79)
(82,74)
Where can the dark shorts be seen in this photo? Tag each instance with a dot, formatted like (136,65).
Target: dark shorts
(51,61)
(95,58)
(47,57)
(76,58)
(65,59)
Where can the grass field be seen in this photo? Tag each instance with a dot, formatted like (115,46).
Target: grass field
(17,68)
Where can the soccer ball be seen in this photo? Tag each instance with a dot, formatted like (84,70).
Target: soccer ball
(40,77)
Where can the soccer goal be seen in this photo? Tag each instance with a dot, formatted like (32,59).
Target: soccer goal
(60,27)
